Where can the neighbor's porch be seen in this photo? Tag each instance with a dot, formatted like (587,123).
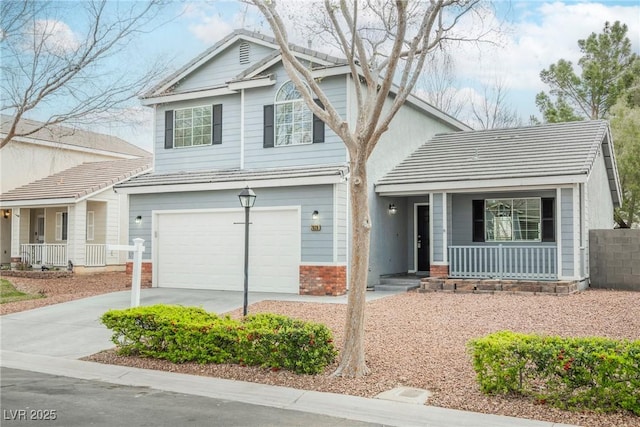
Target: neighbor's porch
(53,236)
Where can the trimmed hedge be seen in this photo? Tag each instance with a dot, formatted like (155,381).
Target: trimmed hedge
(189,334)
(570,373)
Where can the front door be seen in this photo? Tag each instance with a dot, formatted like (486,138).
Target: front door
(422,243)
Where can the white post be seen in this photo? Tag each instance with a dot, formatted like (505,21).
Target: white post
(137,272)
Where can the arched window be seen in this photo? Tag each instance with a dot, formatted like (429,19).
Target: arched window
(293,120)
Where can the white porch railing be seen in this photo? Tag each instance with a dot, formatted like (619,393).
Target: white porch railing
(95,255)
(503,262)
(44,253)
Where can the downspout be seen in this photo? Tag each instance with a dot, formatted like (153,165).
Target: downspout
(241,128)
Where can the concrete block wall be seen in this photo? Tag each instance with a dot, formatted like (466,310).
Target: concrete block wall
(614,259)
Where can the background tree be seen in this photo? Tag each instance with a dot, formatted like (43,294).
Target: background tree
(45,64)
(383,41)
(437,84)
(609,78)
(492,110)
(625,126)
(608,67)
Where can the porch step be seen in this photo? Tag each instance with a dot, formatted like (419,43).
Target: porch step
(397,284)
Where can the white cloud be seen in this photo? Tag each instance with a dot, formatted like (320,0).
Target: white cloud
(540,37)
(56,36)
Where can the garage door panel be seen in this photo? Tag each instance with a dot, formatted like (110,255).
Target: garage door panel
(205,250)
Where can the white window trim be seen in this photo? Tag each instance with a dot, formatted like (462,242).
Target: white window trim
(90,225)
(539,239)
(275,118)
(175,118)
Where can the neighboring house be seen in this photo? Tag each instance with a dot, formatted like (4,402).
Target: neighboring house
(71,216)
(46,152)
(506,203)
(54,149)
(231,118)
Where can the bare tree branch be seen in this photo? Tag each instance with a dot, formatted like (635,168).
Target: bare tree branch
(45,63)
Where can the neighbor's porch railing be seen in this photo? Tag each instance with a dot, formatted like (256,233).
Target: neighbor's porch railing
(44,253)
(503,262)
(95,255)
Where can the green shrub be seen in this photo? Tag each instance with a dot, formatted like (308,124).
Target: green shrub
(176,333)
(571,373)
(183,334)
(276,342)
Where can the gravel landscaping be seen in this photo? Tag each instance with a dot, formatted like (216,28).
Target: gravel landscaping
(419,340)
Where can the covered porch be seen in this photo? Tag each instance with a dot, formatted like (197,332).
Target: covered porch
(59,236)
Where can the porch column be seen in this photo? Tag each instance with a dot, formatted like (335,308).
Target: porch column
(16,214)
(439,265)
(77,233)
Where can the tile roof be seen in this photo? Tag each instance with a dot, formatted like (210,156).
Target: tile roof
(233,175)
(79,181)
(536,151)
(75,137)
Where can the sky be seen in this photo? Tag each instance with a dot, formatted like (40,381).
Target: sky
(534,34)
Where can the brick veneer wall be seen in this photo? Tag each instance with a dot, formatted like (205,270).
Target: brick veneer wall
(145,275)
(323,280)
(439,271)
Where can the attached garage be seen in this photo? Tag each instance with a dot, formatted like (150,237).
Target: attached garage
(204,249)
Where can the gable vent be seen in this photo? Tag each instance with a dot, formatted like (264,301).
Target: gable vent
(244,53)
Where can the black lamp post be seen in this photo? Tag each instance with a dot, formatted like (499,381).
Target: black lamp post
(247,199)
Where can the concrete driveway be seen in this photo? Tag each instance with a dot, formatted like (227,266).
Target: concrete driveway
(73,329)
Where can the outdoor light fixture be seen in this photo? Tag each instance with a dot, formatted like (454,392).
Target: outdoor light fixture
(5,214)
(247,199)
(138,219)
(393,209)
(315,221)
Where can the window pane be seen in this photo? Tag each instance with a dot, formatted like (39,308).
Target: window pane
(192,126)
(512,219)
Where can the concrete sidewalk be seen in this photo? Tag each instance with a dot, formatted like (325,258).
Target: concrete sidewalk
(51,339)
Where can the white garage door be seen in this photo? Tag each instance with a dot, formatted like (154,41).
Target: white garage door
(205,250)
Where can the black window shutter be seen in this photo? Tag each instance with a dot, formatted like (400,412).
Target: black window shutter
(478,220)
(168,129)
(318,125)
(548,220)
(217,123)
(268,127)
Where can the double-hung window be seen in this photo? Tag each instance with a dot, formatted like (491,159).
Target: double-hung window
(513,220)
(61,225)
(193,126)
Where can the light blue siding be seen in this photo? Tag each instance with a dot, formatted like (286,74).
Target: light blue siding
(317,246)
(342,232)
(224,67)
(332,151)
(461,213)
(437,225)
(219,156)
(227,155)
(566,218)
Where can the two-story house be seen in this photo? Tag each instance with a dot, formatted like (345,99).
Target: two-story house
(56,200)
(232,118)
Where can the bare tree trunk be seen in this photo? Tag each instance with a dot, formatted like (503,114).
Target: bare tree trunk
(353,362)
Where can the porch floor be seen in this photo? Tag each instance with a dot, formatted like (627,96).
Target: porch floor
(490,286)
